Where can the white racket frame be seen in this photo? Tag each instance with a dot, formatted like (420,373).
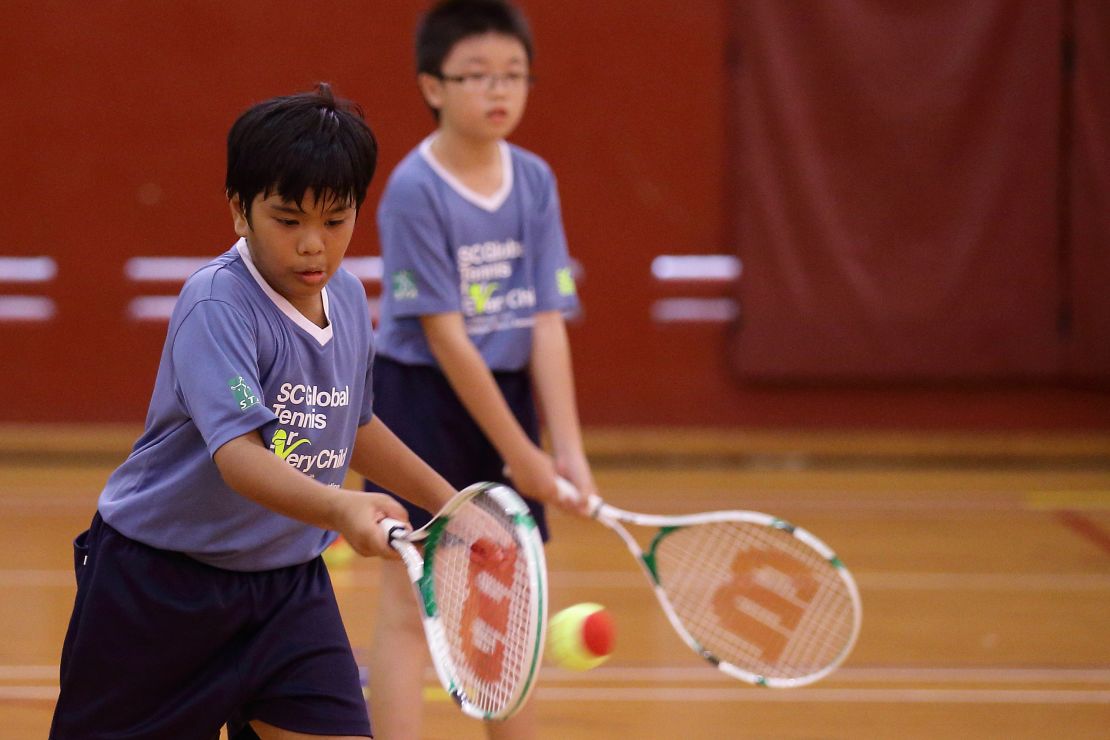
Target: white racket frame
(612,517)
(403,539)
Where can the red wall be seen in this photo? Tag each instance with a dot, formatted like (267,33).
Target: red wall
(113,130)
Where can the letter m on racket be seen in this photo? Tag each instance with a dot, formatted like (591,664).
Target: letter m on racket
(765,599)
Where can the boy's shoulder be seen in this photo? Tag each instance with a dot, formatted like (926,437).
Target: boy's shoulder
(223,278)
(345,282)
(411,175)
(528,159)
(531,167)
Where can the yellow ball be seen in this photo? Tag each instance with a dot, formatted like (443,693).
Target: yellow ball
(339,554)
(580,637)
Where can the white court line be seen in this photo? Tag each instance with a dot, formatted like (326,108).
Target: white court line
(840,696)
(31,578)
(846,674)
(676,674)
(667,674)
(751,695)
(735,692)
(613,580)
(28,693)
(882,581)
(27,672)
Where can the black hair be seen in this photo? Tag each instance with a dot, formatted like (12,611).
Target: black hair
(295,143)
(451,21)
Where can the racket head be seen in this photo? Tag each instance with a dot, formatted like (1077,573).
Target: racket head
(763,600)
(484,594)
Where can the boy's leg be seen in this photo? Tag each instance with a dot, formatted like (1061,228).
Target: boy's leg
(521,726)
(144,653)
(299,673)
(269,732)
(398,658)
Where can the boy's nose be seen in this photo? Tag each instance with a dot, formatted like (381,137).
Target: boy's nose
(312,243)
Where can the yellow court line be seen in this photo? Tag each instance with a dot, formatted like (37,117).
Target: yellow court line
(1085,500)
(436,693)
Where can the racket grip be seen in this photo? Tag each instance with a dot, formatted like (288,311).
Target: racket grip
(393,528)
(568,493)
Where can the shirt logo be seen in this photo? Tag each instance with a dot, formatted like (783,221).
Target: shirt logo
(480,293)
(279,443)
(242,392)
(404,285)
(565,281)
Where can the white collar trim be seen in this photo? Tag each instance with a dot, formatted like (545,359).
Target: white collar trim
(486,202)
(322,336)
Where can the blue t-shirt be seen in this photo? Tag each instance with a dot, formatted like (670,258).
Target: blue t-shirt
(497,260)
(238,356)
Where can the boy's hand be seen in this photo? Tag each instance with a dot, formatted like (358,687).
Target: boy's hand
(576,469)
(534,476)
(358,522)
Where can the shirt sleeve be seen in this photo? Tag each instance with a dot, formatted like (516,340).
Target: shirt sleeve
(419,272)
(367,411)
(554,278)
(216,376)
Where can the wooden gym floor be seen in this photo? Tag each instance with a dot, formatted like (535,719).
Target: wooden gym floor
(983,562)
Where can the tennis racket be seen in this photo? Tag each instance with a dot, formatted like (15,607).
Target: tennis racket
(481,584)
(762,600)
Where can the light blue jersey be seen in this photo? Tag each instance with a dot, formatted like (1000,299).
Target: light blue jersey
(497,260)
(238,357)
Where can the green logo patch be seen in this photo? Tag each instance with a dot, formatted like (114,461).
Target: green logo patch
(404,285)
(565,282)
(242,393)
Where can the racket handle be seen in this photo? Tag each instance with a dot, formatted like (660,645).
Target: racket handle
(568,493)
(393,528)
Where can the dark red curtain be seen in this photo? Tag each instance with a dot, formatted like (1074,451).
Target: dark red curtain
(1088,246)
(898,189)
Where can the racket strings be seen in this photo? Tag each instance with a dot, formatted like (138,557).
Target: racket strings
(483,592)
(756,597)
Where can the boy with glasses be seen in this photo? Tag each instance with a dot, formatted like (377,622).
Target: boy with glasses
(476,282)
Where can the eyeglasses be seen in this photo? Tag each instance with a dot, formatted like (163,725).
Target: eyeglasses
(478,81)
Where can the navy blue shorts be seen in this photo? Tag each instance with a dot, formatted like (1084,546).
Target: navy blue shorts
(163,646)
(418,405)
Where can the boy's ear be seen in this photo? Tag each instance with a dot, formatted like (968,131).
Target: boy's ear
(238,217)
(431,87)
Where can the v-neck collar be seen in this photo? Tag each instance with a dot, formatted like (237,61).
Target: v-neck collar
(486,202)
(322,336)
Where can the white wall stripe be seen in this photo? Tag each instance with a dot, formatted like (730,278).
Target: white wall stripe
(162,269)
(701,310)
(178,269)
(368,269)
(151,307)
(27,269)
(696,267)
(26,308)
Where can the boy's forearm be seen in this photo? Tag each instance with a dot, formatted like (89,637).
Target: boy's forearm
(475,386)
(383,458)
(258,474)
(553,379)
